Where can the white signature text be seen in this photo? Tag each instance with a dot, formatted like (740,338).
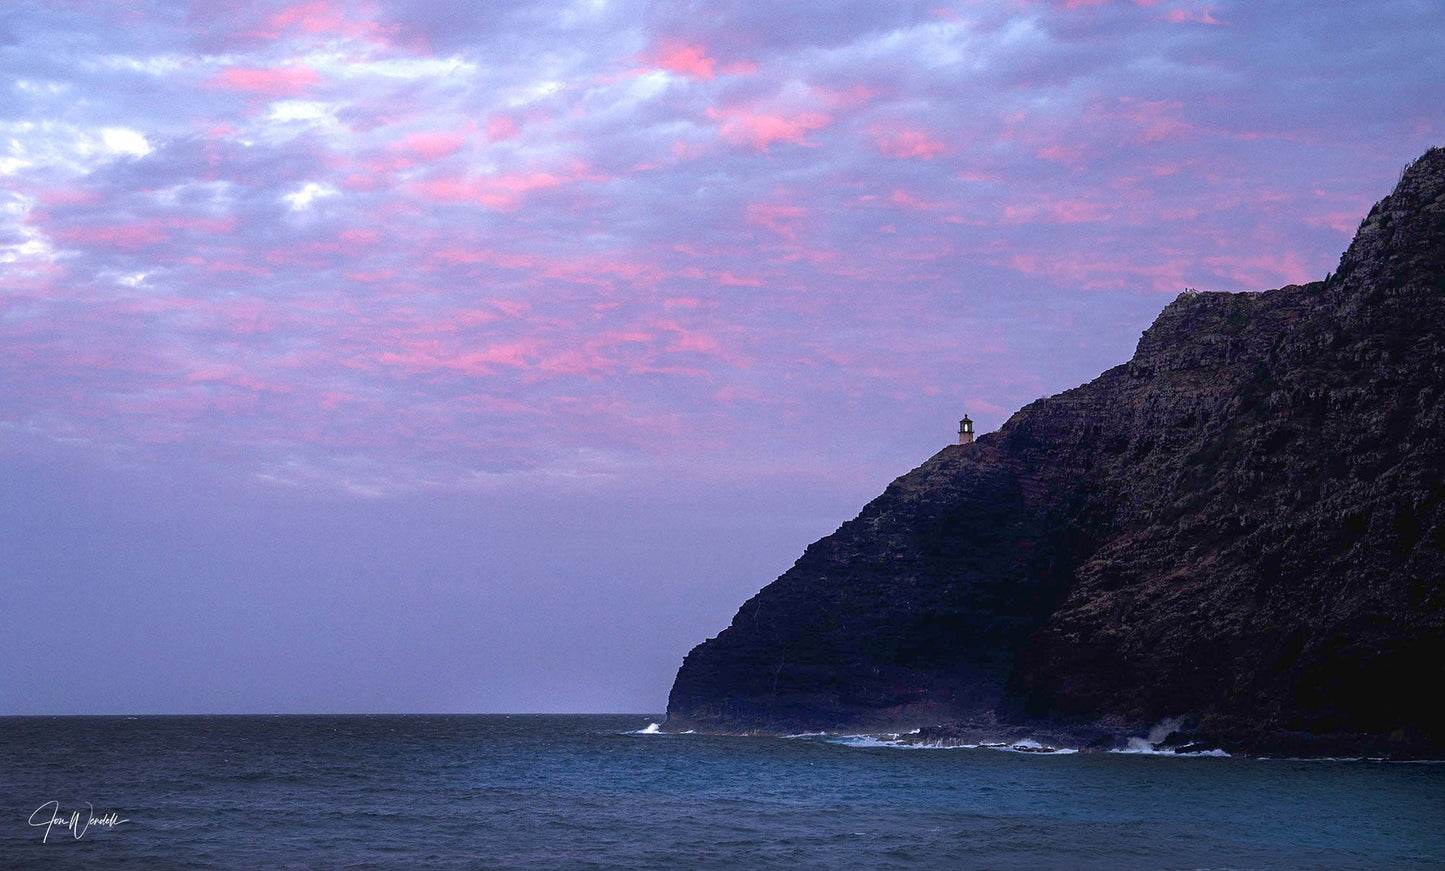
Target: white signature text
(48,815)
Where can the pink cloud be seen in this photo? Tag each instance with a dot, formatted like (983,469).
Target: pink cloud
(1084,4)
(1071,155)
(780,219)
(221,269)
(605,271)
(320,252)
(268,81)
(416,348)
(1344,222)
(686,340)
(512,307)
(727,279)
(679,57)
(371,173)
(1274,269)
(501,192)
(333,399)
(686,150)
(1191,16)
(908,143)
(433,146)
(1079,211)
(481,255)
(360,237)
(126,237)
(1165,273)
(905,200)
(203,224)
(63,196)
(847,98)
(313,17)
(760,129)
(500,127)
(322,18)
(692,60)
(240,317)
(232,375)
(1050,211)
(1155,120)
(373,277)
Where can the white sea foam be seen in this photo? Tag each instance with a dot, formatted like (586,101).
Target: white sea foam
(895,741)
(1149,746)
(1139,747)
(1158,733)
(652,729)
(1029,745)
(1163,729)
(890,740)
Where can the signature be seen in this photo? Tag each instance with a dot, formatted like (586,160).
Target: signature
(48,815)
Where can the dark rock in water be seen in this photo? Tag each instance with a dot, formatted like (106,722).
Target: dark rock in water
(1242,527)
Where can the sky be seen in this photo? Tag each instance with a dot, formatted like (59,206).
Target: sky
(484,357)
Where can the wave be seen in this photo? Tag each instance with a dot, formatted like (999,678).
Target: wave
(896,741)
(1152,744)
(1149,745)
(1138,747)
(888,740)
(656,729)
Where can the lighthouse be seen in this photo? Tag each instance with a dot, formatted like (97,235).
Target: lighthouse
(965,431)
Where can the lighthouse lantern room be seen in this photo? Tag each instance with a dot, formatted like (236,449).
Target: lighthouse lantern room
(965,431)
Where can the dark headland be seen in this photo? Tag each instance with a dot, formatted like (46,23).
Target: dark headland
(1239,531)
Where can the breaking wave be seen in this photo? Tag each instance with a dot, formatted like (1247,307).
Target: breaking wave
(896,741)
(1150,745)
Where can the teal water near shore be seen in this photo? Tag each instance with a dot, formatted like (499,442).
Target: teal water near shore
(598,792)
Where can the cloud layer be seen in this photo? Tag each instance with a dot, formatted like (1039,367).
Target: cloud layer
(363,245)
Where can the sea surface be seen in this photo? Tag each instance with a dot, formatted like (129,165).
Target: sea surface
(543,792)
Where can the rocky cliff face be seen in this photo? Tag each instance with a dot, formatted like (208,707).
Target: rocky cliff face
(1243,527)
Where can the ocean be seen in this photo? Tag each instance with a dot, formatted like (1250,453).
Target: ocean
(602,792)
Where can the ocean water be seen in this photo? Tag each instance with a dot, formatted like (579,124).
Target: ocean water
(598,792)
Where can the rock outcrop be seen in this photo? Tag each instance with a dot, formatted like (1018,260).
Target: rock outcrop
(1241,527)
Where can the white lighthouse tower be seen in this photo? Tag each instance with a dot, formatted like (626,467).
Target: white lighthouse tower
(965,431)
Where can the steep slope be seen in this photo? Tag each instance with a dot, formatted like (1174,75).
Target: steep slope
(1242,526)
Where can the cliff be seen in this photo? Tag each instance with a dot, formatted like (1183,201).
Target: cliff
(1241,527)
